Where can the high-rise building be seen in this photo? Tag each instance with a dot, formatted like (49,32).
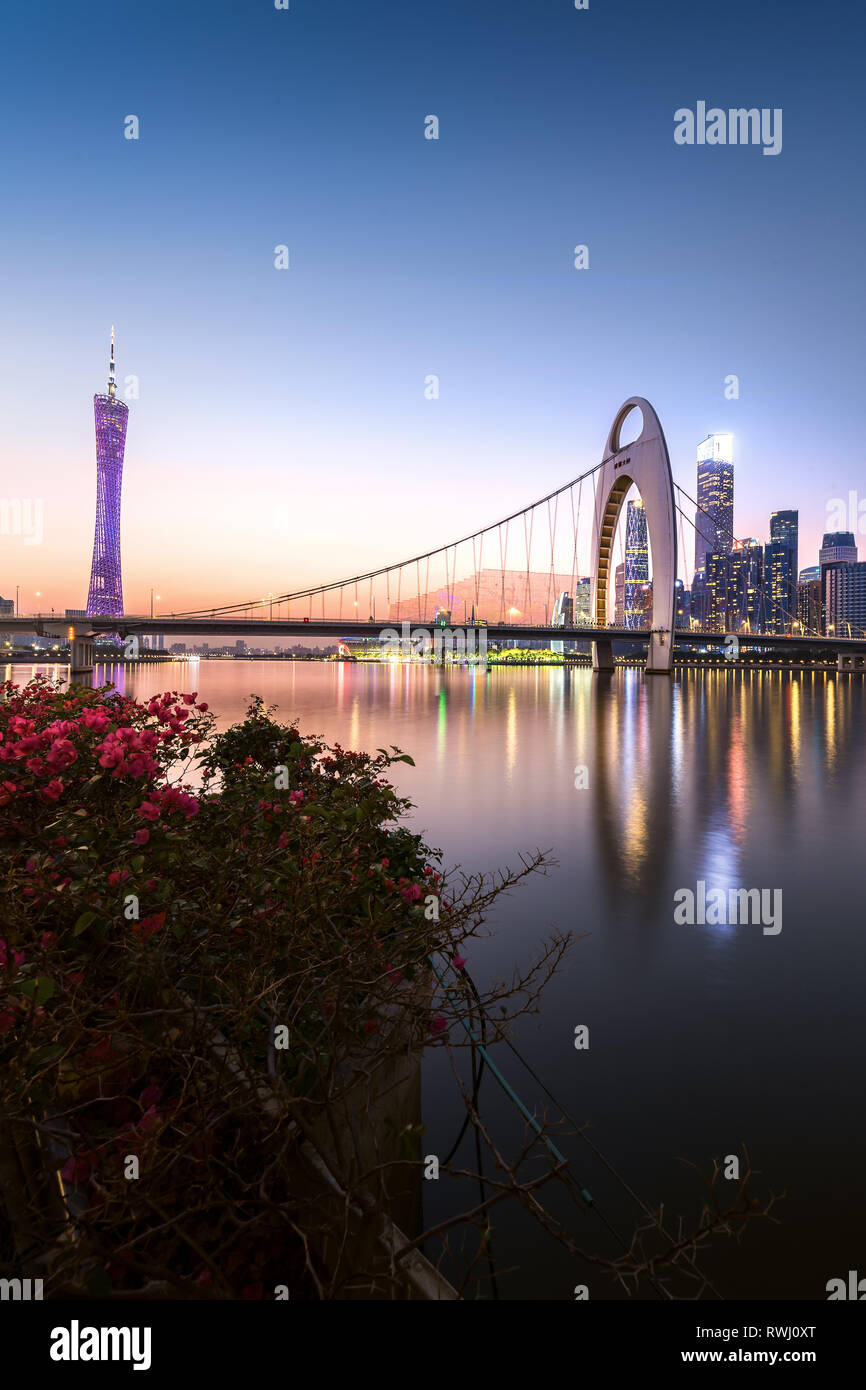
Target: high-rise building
(747,612)
(619,595)
(636,563)
(645,605)
(837,548)
(714,519)
(698,601)
(563,616)
(845,599)
(716,595)
(809,608)
(105,595)
(780,572)
(582,601)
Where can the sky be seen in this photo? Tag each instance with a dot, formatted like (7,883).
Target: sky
(281,435)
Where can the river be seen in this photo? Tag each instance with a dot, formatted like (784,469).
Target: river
(701,1037)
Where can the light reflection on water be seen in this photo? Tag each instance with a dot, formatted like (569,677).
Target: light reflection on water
(701,1037)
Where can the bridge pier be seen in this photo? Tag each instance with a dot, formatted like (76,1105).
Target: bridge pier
(80,655)
(851,663)
(602,656)
(660,654)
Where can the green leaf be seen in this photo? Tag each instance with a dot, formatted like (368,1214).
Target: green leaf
(40,989)
(84,922)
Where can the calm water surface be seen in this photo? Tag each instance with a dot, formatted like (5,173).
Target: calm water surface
(701,1037)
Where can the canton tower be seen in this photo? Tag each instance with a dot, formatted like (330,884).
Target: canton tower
(105,596)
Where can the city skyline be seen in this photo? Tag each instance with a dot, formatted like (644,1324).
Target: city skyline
(715,513)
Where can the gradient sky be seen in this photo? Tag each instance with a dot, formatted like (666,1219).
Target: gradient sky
(282,436)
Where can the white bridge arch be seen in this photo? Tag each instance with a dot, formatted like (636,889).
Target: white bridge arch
(646,464)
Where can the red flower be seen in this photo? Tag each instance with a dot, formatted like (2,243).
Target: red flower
(75,1171)
(148,926)
(53,790)
(148,811)
(438,1024)
(141,837)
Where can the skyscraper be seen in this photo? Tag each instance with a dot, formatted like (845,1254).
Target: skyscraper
(780,571)
(619,595)
(582,601)
(714,519)
(636,563)
(837,548)
(845,599)
(105,596)
(746,571)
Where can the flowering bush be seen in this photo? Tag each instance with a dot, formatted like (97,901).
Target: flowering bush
(190,915)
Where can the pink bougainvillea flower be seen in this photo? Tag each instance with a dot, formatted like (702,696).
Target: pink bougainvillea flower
(148,926)
(76,1170)
(53,790)
(412,894)
(47,940)
(458,962)
(141,837)
(148,811)
(438,1024)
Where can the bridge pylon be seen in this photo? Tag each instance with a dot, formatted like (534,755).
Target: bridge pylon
(646,465)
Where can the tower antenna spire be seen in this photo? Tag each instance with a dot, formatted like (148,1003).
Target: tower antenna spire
(112,384)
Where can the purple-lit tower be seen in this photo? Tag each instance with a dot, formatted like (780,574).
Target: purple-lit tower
(105,596)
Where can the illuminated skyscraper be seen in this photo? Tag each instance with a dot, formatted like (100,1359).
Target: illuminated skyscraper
(636,564)
(582,601)
(105,596)
(619,595)
(780,572)
(714,519)
(837,548)
(746,604)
